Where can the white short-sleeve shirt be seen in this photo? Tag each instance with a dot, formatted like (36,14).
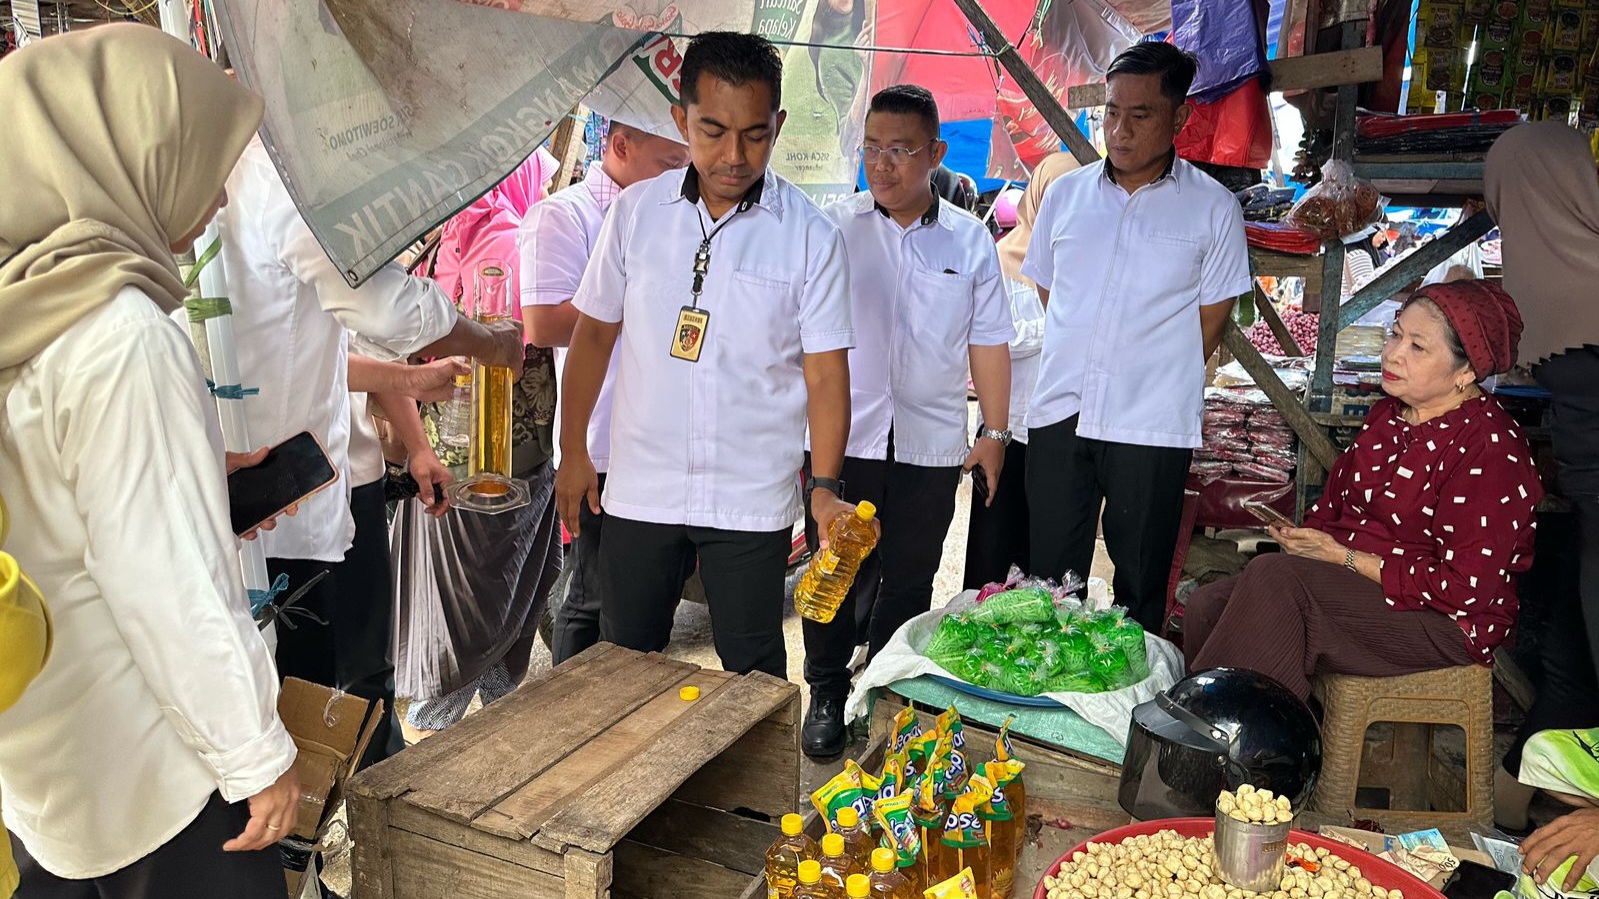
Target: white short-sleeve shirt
(556,240)
(920,297)
(1123,347)
(719,442)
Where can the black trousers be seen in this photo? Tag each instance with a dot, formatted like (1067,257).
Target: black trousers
(916,504)
(643,567)
(1141,488)
(998,534)
(577,622)
(352,651)
(1568,688)
(191,865)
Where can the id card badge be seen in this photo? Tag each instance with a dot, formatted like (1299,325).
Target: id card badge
(688,338)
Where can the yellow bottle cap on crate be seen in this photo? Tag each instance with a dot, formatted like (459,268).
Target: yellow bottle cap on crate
(689,694)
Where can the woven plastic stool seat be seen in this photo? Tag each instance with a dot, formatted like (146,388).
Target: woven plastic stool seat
(1422,791)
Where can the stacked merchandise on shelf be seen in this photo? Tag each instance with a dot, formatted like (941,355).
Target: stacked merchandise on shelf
(1245,438)
(1537,56)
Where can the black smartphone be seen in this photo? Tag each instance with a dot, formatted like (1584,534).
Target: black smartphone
(980,483)
(292,470)
(1474,881)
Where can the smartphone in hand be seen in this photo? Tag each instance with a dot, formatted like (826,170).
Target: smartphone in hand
(1268,515)
(293,470)
(980,483)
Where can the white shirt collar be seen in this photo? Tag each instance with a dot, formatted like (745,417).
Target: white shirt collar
(766,192)
(1174,166)
(938,213)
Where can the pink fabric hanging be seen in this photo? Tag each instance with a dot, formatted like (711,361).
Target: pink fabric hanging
(487,229)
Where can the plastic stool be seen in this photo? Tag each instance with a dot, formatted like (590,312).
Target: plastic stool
(1422,792)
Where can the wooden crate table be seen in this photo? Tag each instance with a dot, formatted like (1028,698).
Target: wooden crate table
(593,780)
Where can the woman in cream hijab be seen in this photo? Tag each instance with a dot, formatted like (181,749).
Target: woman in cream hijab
(147,758)
(1543,190)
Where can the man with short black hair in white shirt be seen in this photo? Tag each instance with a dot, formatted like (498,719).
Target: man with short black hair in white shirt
(929,305)
(735,292)
(556,239)
(1143,256)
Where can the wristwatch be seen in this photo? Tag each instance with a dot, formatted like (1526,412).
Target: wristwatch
(1004,437)
(834,485)
(1349,559)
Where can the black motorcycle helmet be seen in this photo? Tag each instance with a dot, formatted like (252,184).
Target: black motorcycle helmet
(1215,730)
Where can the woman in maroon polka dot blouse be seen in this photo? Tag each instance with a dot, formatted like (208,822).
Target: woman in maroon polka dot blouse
(1408,561)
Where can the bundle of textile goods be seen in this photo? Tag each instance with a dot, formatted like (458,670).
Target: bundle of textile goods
(1244,437)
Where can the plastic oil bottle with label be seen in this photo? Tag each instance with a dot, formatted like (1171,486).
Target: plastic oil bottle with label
(850,539)
(812,885)
(786,855)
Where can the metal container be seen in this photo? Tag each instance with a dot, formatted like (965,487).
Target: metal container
(1251,856)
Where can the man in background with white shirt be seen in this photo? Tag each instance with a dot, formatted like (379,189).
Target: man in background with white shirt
(291,307)
(735,292)
(1143,256)
(556,240)
(928,304)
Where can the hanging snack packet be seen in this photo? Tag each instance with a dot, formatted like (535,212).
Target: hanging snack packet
(900,833)
(907,727)
(950,723)
(918,754)
(961,886)
(893,781)
(847,788)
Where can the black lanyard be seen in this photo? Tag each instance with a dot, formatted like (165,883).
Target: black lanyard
(702,256)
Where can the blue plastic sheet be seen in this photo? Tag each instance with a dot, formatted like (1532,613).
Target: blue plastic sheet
(1225,37)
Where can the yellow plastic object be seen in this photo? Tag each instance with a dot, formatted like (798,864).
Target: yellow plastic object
(784,859)
(823,586)
(858,887)
(689,693)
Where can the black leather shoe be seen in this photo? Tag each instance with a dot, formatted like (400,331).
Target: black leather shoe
(823,734)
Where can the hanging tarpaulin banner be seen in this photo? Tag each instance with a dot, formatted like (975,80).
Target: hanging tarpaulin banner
(387,116)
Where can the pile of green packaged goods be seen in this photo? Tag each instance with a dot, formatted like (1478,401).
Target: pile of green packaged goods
(1032,637)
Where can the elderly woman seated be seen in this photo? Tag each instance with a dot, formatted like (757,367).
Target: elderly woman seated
(1407,562)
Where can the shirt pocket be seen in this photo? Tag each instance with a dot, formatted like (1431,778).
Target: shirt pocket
(938,307)
(1173,261)
(761,318)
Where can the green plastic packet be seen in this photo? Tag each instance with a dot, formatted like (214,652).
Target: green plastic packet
(952,637)
(899,828)
(1015,606)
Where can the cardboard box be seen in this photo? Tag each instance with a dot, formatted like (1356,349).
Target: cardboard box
(332,730)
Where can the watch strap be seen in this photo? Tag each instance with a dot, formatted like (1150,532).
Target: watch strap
(1349,559)
(834,485)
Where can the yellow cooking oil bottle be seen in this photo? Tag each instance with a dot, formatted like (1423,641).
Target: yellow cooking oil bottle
(858,842)
(965,840)
(886,880)
(784,858)
(837,864)
(812,885)
(850,539)
(1003,828)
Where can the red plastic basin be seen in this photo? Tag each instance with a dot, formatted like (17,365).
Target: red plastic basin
(1380,872)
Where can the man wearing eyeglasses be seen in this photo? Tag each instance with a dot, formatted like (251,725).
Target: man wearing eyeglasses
(929,303)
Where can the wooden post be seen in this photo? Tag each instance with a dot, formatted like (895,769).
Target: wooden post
(1038,94)
(1413,267)
(566,145)
(1310,434)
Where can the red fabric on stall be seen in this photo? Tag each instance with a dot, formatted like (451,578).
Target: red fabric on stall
(964,86)
(1235,130)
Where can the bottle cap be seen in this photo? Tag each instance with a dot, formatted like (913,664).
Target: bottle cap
(849,817)
(866,511)
(833,844)
(810,871)
(858,887)
(689,694)
(883,860)
(792,825)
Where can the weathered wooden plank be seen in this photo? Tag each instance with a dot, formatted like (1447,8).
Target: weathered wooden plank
(372,865)
(772,748)
(520,814)
(541,729)
(649,873)
(608,810)
(404,816)
(1286,402)
(397,774)
(1294,73)
(732,841)
(434,869)
(589,876)
(1047,104)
